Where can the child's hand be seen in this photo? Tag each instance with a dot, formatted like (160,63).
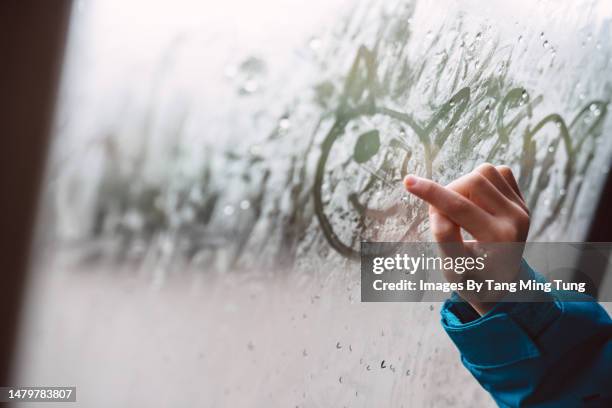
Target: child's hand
(486,203)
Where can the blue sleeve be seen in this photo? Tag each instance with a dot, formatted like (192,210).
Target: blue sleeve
(546,354)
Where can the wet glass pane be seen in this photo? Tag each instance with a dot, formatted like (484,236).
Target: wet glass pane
(216,165)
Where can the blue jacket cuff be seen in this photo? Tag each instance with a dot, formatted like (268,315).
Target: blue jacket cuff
(505,334)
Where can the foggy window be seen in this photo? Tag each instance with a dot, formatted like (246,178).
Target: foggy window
(206,146)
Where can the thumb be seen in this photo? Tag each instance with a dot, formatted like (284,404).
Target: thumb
(442,228)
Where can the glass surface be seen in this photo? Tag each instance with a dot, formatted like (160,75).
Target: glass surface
(216,165)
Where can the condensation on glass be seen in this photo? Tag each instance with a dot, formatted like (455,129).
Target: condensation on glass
(246,151)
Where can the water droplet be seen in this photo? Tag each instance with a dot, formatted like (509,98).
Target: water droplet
(314,43)
(407,372)
(545,44)
(478,35)
(451,103)
(228,210)
(284,123)
(382,364)
(368,368)
(487,108)
(304,353)
(524,95)
(562,192)
(338,345)
(252,65)
(245,204)
(405,199)
(431,308)
(551,149)
(542,34)
(250,86)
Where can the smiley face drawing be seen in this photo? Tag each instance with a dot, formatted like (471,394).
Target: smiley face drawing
(376,206)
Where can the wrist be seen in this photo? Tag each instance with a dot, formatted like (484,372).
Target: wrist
(482,308)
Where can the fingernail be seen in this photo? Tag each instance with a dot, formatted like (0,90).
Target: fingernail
(410,181)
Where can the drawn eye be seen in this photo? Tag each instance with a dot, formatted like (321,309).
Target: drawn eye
(367,146)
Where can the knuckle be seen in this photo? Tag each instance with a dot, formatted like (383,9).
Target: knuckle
(524,222)
(521,210)
(456,185)
(477,181)
(485,168)
(505,170)
(514,229)
(526,209)
(509,232)
(457,206)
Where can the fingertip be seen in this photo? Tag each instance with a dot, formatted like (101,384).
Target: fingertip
(503,168)
(410,181)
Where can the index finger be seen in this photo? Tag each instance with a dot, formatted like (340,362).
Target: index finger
(459,209)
